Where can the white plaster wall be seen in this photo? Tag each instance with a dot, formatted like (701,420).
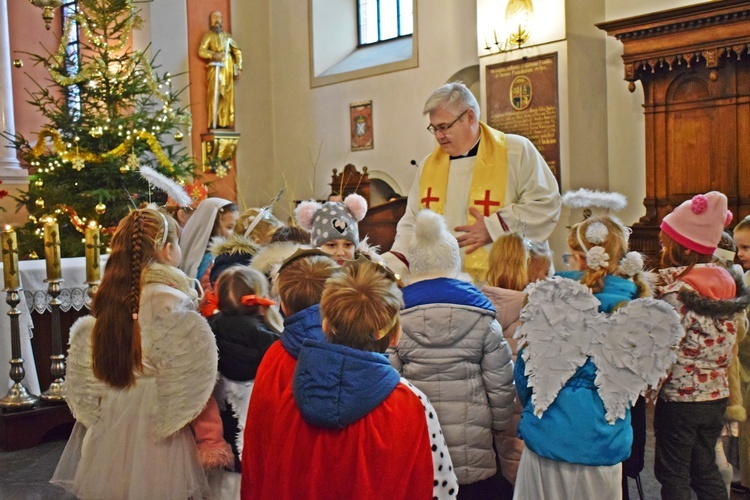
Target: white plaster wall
(252,26)
(309,128)
(293,135)
(164,35)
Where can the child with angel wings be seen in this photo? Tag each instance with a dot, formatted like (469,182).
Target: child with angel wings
(590,343)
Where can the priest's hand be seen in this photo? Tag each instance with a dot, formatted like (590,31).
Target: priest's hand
(475,235)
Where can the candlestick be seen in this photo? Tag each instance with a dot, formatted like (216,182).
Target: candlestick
(56,391)
(52,249)
(9,245)
(18,397)
(93,246)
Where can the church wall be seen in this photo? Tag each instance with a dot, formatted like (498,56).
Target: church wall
(254,99)
(310,127)
(27,34)
(294,135)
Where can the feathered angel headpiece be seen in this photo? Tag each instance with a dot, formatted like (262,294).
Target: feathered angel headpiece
(596,233)
(587,198)
(164,183)
(264,212)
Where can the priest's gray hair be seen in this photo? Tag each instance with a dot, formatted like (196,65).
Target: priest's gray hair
(454,97)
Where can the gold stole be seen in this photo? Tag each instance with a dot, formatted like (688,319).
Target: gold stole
(487,192)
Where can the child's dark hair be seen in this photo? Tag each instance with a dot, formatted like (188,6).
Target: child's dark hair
(291,233)
(300,283)
(228,208)
(360,306)
(116,337)
(235,283)
(675,254)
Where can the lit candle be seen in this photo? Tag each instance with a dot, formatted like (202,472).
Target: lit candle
(93,245)
(52,249)
(10,258)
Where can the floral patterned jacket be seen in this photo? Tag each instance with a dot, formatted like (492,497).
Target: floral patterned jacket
(709,299)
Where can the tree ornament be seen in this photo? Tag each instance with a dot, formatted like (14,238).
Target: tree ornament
(96,132)
(133,161)
(124,169)
(39,202)
(32,219)
(39,183)
(221,171)
(100,208)
(178,136)
(33,255)
(77,163)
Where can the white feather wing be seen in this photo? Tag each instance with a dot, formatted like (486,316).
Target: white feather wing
(633,348)
(553,335)
(83,390)
(185,357)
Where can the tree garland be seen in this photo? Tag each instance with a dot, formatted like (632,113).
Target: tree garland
(66,154)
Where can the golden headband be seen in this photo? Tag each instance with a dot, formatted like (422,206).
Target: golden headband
(386,329)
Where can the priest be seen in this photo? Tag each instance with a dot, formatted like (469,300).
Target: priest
(484,182)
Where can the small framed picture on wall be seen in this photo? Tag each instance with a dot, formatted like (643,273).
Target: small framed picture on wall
(360,120)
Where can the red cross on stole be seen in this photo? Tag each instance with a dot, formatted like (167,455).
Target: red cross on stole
(487,203)
(429,198)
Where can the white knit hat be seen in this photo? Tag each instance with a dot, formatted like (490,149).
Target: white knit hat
(433,249)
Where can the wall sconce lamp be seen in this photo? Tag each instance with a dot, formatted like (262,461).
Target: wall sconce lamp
(47,6)
(519,16)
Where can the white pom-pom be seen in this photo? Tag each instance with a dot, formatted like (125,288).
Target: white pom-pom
(596,233)
(357,205)
(429,227)
(631,264)
(597,258)
(305,212)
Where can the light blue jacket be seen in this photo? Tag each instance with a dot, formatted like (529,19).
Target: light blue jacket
(573,428)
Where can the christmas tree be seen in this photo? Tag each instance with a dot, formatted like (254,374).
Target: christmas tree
(108,111)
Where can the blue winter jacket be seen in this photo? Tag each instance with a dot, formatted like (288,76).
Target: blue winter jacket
(336,385)
(573,428)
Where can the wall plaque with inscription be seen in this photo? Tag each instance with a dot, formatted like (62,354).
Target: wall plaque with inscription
(522,99)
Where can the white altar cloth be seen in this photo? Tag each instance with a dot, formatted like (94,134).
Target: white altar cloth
(32,274)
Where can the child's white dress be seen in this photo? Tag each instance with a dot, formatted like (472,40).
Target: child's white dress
(135,443)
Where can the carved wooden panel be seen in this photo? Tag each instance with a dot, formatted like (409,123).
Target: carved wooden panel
(349,181)
(694,66)
(380,223)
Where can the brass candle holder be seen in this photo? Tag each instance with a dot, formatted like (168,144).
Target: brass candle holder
(18,397)
(56,391)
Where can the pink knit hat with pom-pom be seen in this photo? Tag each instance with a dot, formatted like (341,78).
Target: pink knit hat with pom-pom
(697,223)
(332,220)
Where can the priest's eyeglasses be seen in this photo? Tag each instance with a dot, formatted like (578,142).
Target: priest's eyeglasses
(444,128)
